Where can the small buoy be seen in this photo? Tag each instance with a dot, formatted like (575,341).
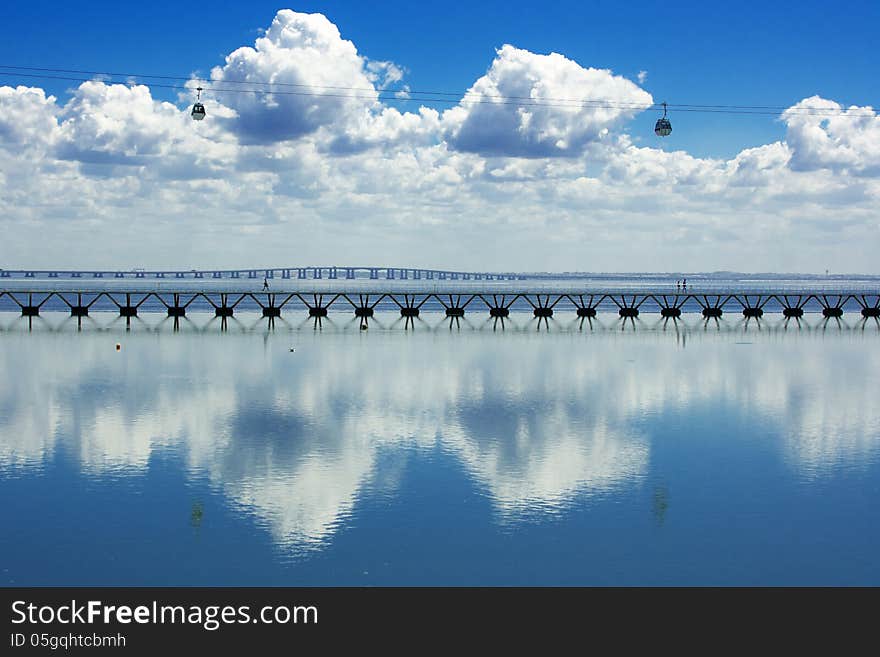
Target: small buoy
(364,326)
(292,349)
(118,346)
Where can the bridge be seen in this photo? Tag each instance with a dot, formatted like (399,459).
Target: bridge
(298,273)
(498,298)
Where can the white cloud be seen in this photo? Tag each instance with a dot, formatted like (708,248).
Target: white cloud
(319,80)
(117,124)
(570,106)
(27,118)
(847,140)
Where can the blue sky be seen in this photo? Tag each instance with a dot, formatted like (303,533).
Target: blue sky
(747,53)
(343,180)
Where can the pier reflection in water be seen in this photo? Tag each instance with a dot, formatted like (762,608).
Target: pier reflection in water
(434,457)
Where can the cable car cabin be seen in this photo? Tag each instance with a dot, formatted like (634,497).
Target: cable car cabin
(198,112)
(663,127)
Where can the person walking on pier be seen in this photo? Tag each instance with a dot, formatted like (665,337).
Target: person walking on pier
(265,282)
(684,284)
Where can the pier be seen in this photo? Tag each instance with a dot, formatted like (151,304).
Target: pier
(319,295)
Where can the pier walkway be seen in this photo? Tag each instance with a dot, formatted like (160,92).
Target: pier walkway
(362,296)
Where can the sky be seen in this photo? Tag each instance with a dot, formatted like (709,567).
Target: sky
(112,172)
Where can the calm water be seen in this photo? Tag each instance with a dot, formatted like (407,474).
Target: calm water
(699,454)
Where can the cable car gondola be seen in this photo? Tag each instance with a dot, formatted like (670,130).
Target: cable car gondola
(663,128)
(198,110)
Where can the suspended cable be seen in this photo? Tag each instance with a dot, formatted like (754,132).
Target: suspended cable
(456,95)
(393,95)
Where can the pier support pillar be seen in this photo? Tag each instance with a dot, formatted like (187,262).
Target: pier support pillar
(274,311)
(628,312)
(455,312)
(318,311)
(409,312)
(670,312)
(224,310)
(712,311)
(586,312)
(832,312)
(793,312)
(78,308)
(499,312)
(870,312)
(363,311)
(543,311)
(176,311)
(753,312)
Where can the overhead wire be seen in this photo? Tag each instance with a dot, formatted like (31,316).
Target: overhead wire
(457,95)
(403,95)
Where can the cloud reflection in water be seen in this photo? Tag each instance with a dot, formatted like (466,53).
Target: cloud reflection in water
(538,422)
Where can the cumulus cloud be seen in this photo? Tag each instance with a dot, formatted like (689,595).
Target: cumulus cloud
(116,124)
(390,127)
(27,118)
(316,77)
(531,105)
(848,139)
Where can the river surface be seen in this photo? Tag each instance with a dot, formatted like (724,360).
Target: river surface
(564,452)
